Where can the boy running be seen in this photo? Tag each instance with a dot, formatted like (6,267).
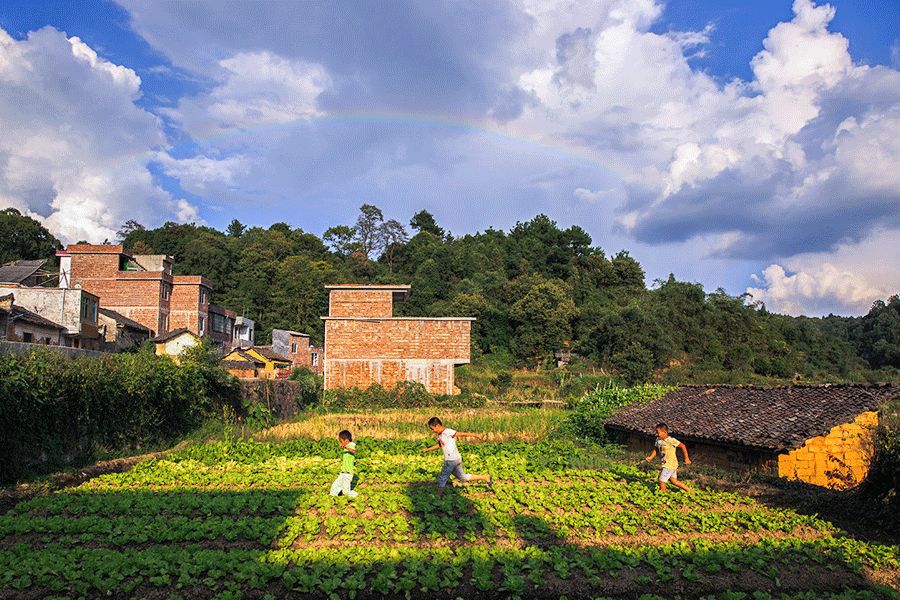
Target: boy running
(446,441)
(341,485)
(667,446)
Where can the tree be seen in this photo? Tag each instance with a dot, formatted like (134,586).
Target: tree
(129,226)
(235,229)
(634,364)
(340,239)
(392,235)
(368,229)
(23,238)
(542,319)
(423,221)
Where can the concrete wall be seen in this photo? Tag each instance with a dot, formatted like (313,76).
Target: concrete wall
(839,459)
(61,306)
(19,348)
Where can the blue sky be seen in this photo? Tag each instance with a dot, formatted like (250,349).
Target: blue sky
(746,145)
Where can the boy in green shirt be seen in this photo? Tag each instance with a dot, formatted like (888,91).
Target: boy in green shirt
(341,485)
(668,446)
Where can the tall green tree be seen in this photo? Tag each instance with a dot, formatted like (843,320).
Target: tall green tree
(23,238)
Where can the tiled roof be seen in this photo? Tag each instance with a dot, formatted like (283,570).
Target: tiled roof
(20,314)
(246,356)
(774,418)
(172,334)
(19,270)
(270,354)
(120,318)
(239,365)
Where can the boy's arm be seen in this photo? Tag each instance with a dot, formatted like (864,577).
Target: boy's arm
(350,450)
(464,434)
(687,459)
(430,448)
(651,457)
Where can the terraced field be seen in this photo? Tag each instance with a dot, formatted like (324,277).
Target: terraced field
(254,520)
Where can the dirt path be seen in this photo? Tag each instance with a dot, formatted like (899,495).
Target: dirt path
(12,495)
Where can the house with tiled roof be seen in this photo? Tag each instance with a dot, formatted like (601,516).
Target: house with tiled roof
(820,434)
(262,360)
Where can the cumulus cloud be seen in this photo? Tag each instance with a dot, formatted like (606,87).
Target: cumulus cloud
(847,280)
(255,88)
(75,147)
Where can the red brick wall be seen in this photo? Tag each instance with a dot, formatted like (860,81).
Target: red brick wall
(388,351)
(360,303)
(185,308)
(398,338)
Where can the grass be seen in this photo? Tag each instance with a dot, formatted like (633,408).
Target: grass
(494,424)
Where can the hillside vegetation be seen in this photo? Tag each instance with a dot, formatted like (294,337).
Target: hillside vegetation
(536,289)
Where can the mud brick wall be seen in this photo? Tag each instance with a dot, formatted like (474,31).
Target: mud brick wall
(839,459)
(361,303)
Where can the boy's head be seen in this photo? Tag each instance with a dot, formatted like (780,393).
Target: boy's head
(345,437)
(662,431)
(435,424)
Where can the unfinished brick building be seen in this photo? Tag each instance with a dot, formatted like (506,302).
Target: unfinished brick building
(140,287)
(366,344)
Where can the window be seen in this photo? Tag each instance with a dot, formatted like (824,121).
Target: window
(88,309)
(201,323)
(293,347)
(27,337)
(166,291)
(315,359)
(218,323)
(202,296)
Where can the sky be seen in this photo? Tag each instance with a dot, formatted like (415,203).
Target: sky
(748,146)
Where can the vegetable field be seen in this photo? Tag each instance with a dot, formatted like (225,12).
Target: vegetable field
(254,520)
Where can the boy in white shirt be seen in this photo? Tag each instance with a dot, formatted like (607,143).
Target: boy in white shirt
(666,445)
(446,439)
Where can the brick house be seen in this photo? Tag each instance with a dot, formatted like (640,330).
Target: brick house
(220,328)
(266,363)
(366,344)
(296,346)
(142,288)
(817,434)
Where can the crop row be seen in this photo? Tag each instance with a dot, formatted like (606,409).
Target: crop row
(411,571)
(379,499)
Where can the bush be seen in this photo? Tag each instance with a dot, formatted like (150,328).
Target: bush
(883,479)
(634,364)
(56,412)
(406,395)
(592,410)
(310,386)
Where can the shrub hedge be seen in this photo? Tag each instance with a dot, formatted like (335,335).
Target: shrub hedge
(56,412)
(406,394)
(593,408)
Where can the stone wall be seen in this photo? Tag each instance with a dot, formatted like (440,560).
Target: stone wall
(282,397)
(839,459)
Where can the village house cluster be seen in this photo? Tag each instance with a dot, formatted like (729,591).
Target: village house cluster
(106,299)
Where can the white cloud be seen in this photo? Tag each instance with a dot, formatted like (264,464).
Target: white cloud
(846,281)
(255,88)
(74,146)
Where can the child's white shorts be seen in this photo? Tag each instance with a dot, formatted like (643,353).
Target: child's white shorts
(667,474)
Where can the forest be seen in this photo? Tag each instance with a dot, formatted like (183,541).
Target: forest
(536,290)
